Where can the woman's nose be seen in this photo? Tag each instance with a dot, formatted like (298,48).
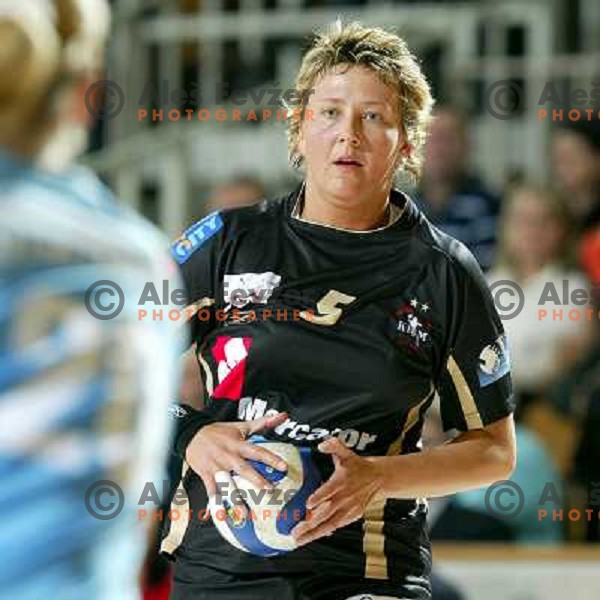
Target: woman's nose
(350,138)
(349,132)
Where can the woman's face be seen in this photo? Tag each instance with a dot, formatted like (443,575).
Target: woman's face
(574,162)
(533,233)
(351,142)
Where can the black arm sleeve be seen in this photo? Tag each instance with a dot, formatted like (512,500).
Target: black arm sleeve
(187,423)
(197,251)
(475,385)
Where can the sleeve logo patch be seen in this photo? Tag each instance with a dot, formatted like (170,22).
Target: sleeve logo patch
(494,362)
(195,236)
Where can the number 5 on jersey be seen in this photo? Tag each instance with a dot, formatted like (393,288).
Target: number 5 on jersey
(328,311)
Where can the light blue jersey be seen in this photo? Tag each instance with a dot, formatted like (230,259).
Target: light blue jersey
(83,398)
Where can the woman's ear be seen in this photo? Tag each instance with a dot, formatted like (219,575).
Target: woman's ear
(404,152)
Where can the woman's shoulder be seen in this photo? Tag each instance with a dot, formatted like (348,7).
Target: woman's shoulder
(446,249)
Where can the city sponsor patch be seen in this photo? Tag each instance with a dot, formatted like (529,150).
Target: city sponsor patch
(494,362)
(255,408)
(242,289)
(195,236)
(230,354)
(414,327)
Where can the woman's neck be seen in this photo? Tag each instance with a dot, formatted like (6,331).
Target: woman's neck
(333,212)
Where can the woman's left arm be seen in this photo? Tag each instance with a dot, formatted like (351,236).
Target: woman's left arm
(473,459)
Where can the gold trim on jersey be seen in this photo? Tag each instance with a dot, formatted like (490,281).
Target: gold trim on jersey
(208,376)
(467,402)
(179,527)
(202,303)
(374,541)
(376,565)
(411,420)
(394,214)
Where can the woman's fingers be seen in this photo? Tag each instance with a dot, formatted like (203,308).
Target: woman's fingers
(265,423)
(318,522)
(331,519)
(260,454)
(209,483)
(223,447)
(245,470)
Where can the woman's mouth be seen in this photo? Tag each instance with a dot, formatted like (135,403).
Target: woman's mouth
(348,162)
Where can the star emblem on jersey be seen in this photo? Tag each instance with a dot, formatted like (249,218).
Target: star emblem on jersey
(413,327)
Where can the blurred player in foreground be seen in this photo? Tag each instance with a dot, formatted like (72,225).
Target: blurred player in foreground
(83,390)
(240,190)
(391,310)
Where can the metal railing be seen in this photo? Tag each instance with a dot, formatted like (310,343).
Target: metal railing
(178,155)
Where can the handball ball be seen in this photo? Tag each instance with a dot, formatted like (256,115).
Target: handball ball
(259,522)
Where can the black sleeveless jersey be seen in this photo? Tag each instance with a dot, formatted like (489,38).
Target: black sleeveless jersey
(352,334)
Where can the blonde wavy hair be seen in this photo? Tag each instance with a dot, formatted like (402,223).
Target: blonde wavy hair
(47,47)
(385,53)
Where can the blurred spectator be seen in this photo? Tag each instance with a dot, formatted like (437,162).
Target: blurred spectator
(534,241)
(576,169)
(466,517)
(451,197)
(578,398)
(535,469)
(576,158)
(241,190)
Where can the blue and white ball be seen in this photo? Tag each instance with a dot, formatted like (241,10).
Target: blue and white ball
(253,520)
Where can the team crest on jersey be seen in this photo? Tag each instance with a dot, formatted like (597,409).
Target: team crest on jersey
(242,289)
(230,354)
(494,362)
(195,236)
(414,326)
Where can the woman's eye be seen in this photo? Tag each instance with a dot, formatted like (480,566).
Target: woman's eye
(371,116)
(329,112)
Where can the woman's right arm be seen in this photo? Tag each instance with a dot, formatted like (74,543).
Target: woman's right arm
(206,444)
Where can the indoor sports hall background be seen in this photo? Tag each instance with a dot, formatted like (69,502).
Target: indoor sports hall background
(187,121)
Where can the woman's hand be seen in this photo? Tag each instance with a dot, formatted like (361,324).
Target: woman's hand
(223,447)
(343,498)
